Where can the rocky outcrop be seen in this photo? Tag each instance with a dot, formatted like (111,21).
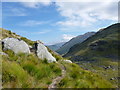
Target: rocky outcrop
(19,46)
(16,45)
(43,53)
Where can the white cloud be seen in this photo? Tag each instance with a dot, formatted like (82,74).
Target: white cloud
(31,3)
(86,13)
(36,4)
(15,12)
(67,37)
(59,0)
(18,12)
(32,23)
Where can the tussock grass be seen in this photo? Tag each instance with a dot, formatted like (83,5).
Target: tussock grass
(77,77)
(27,71)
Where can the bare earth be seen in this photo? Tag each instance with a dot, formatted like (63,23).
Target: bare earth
(57,79)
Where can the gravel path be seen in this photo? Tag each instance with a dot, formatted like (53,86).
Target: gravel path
(57,79)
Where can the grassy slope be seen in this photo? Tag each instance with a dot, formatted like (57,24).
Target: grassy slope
(65,47)
(109,33)
(95,60)
(8,33)
(77,77)
(27,71)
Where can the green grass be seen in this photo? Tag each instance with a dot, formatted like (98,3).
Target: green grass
(77,77)
(15,76)
(57,56)
(98,59)
(27,41)
(97,67)
(7,33)
(27,71)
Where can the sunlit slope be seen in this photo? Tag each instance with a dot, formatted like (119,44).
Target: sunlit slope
(99,53)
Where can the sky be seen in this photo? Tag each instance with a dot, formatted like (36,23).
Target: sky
(57,21)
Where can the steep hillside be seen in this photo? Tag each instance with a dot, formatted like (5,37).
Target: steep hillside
(65,48)
(56,46)
(99,53)
(8,33)
(21,70)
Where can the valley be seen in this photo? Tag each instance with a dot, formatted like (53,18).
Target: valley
(32,69)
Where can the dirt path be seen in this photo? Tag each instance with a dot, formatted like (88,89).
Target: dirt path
(57,79)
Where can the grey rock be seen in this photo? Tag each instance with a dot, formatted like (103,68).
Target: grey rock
(16,45)
(68,61)
(2,53)
(43,53)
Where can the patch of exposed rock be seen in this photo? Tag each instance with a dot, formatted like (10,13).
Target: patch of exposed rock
(20,46)
(2,53)
(43,53)
(16,45)
(68,61)
(96,45)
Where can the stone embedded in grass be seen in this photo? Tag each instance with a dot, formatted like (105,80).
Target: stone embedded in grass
(2,53)
(16,45)
(68,61)
(43,53)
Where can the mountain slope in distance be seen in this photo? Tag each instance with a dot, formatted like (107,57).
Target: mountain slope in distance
(99,53)
(56,46)
(65,48)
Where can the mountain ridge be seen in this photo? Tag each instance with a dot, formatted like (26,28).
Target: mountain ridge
(78,39)
(56,46)
(99,53)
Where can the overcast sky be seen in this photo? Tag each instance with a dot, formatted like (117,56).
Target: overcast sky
(54,21)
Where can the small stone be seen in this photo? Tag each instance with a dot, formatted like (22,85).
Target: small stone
(68,61)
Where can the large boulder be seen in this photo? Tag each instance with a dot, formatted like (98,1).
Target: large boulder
(16,45)
(43,53)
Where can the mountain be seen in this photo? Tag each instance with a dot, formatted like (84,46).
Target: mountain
(24,66)
(99,53)
(56,46)
(65,48)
